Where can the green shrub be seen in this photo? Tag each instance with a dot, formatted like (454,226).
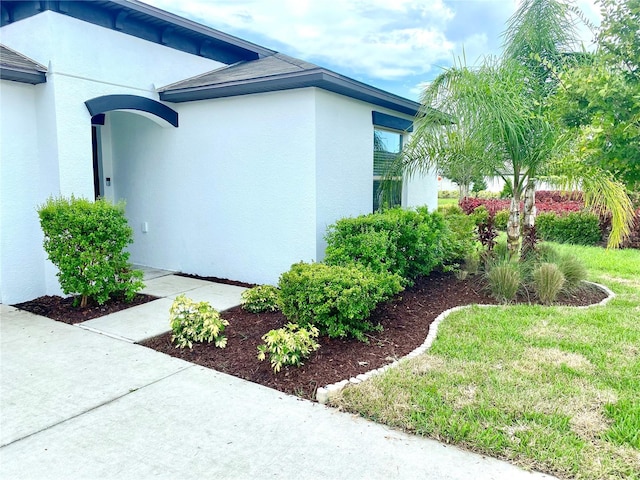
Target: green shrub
(458,238)
(451,210)
(548,281)
(288,346)
(486,194)
(479,214)
(448,193)
(579,228)
(472,262)
(479,185)
(573,270)
(405,242)
(195,322)
(263,298)
(86,241)
(507,191)
(501,219)
(336,299)
(504,281)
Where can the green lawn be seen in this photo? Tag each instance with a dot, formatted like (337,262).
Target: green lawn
(445,202)
(556,389)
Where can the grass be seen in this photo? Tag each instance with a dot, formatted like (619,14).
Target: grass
(445,202)
(555,389)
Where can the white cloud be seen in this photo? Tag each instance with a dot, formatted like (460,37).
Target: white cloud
(379,38)
(396,43)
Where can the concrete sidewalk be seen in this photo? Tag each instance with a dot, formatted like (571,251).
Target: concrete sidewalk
(150,319)
(76,404)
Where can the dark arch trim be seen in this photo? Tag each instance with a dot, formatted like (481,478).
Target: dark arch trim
(108,103)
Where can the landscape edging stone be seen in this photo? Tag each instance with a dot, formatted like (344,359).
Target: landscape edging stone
(324,393)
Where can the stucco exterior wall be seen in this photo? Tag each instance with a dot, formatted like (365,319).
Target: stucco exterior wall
(344,168)
(20,170)
(230,193)
(48,126)
(420,190)
(344,165)
(244,187)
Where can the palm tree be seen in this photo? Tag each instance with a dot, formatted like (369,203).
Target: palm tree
(500,123)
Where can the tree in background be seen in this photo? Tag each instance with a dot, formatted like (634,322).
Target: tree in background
(500,118)
(479,185)
(599,102)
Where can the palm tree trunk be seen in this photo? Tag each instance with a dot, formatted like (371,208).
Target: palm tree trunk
(513,225)
(529,220)
(463,190)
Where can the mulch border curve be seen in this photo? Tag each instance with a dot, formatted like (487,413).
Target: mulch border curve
(324,394)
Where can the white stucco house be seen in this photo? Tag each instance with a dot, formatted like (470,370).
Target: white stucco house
(232,158)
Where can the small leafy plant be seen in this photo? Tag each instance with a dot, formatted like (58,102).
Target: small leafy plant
(288,346)
(263,298)
(86,241)
(196,322)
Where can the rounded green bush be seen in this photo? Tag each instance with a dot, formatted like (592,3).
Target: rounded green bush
(86,241)
(501,219)
(263,298)
(404,242)
(337,299)
(579,228)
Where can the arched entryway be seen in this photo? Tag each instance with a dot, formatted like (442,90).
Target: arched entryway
(99,106)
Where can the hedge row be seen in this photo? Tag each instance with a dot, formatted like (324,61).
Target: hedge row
(578,228)
(468,205)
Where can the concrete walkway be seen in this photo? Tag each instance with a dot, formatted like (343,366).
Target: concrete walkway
(83,402)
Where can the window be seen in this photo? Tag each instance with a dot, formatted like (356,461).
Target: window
(386,147)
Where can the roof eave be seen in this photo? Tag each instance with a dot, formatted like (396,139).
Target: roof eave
(22,76)
(319,78)
(194,26)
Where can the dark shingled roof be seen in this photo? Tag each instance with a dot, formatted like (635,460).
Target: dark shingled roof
(265,67)
(279,72)
(15,66)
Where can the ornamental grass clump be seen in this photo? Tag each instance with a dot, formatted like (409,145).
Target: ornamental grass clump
(504,281)
(86,241)
(548,281)
(196,322)
(573,270)
(263,298)
(288,346)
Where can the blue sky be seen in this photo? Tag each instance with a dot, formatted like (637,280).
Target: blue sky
(396,45)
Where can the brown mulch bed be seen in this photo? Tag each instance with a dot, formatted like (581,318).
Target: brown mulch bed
(62,309)
(217,280)
(405,323)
